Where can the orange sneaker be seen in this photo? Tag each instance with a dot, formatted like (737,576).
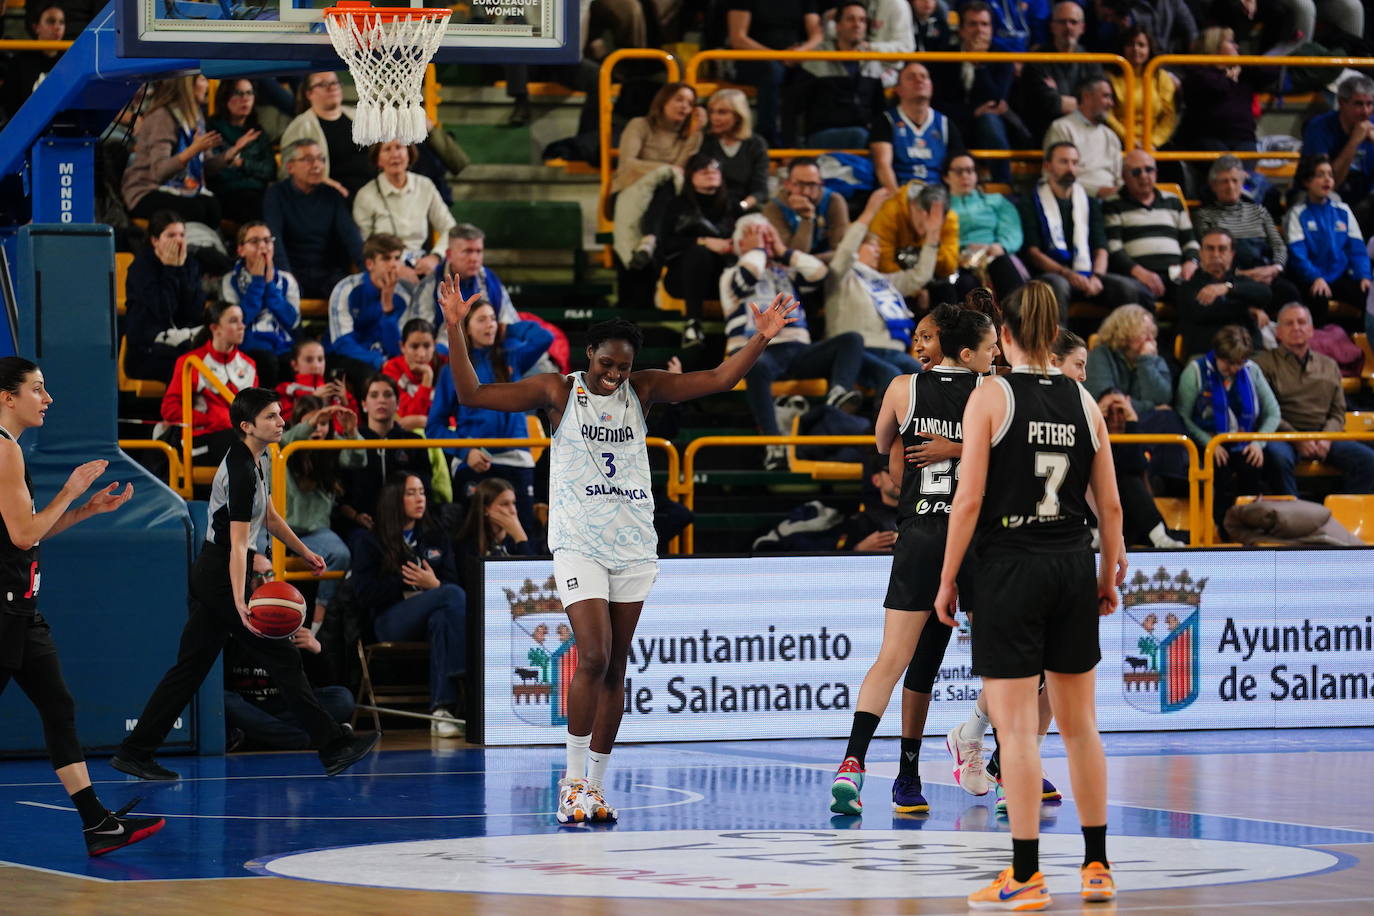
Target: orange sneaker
(1098,885)
(1005,893)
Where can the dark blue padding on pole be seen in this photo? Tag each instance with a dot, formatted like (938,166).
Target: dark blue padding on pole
(114,587)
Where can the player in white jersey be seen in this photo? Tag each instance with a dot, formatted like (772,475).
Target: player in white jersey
(601,508)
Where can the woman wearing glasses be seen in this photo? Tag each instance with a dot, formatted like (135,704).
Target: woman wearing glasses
(326,120)
(989,232)
(270,299)
(245,176)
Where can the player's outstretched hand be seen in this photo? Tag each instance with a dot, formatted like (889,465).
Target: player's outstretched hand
(83,476)
(451,300)
(107,500)
(774,318)
(944,603)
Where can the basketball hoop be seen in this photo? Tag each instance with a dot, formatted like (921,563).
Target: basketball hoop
(387,50)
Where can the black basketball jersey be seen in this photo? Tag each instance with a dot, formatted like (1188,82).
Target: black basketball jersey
(1036,494)
(18,568)
(936,405)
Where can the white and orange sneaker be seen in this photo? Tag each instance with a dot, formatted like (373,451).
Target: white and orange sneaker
(595,807)
(572,807)
(1006,893)
(1098,886)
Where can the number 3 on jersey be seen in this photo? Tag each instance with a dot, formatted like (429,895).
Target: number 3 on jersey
(1054,467)
(609,458)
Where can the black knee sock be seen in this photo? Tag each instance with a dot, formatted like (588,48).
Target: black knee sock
(1025,858)
(908,764)
(89,807)
(1095,845)
(860,734)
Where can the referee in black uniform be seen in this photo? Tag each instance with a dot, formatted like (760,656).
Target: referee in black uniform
(240,508)
(1035,441)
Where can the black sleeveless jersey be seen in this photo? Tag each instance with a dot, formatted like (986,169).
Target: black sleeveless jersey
(936,405)
(18,568)
(1035,499)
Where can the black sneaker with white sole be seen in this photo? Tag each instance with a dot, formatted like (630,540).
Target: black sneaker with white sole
(346,750)
(118,831)
(148,769)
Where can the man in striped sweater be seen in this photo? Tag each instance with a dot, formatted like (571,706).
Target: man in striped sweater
(1149,235)
(1261,252)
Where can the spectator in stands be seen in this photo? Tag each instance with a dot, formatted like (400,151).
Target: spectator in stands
(890,31)
(1048,92)
(862,299)
(358,505)
(1218,107)
(909,221)
(401,203)
(365,311)
(24,70)
(767,268)
(171,156)
(1261,252)
(698,227)
(500,353)
(254,711)
(989,231)
(1017,25)
(1217,296)
(1346,135)
(308,378)
(326,120)
(837,100)
(270,299)
(778,25)
(314,483)
(653,150)
(911,141)
(874,528)
(1149,235)
(1326,252)
(217,346)
(1065,242)
(741,153)
(1307,385)
(807,215)
(974,95)
(1138,46)
(413,372)
(163,300)
(492,526)
(1224,391)
(241,183)
(311,222)
(1099,148)
(464,260)
(930,26)
(404,573)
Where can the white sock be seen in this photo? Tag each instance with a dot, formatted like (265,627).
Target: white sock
(577,755)
(1160,537)
(976,726)
(596,768)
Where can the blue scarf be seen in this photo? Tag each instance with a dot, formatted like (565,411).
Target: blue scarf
(1215,395)
(191,180)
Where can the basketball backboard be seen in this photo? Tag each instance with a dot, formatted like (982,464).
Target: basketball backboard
(481,31)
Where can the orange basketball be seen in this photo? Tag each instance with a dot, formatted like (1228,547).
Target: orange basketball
(276,610)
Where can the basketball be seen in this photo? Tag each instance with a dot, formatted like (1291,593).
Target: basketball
(276,610)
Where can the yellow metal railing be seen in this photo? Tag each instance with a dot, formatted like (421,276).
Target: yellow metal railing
(173,459)
(1229,60)
(280,456)
(433,94)
(194,362)
(604,115)
(1209,463)
(32,44)
(1195,472)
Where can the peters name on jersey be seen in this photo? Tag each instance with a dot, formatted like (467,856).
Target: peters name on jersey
(1039,432)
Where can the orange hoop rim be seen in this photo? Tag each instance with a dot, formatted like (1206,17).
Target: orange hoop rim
(347,10)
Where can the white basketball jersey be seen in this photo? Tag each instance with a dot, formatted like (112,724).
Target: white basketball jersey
(600,502)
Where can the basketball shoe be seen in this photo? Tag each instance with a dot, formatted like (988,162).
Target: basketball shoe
(571,807)
(1098,885)
(118,831)
(907,797)
(1006,893)
(1048,792)
(595,807)
(1001,806)
(844,791)
(969,771)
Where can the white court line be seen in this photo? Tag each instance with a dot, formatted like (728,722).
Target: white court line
(691,799)
(53,871)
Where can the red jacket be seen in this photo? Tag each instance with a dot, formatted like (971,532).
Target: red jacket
(303,385)
(235,369)
(415,397)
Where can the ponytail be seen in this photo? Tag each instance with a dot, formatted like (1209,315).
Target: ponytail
(1032,319)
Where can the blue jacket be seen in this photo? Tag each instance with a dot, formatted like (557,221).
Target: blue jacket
(425,303)
(270,310)
(525,342)
(1323,134)
(358,328)
(1324,241)
(378,588)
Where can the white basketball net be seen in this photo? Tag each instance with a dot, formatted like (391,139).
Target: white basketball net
(387,57)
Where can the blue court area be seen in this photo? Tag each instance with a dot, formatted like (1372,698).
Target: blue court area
(732,820)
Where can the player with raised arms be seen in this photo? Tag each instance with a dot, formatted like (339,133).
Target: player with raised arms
(28,655)
(601,508)
(961,345)
(1034,443)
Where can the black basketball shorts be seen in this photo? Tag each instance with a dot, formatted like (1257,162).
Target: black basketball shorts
(916,560)
(1036,612)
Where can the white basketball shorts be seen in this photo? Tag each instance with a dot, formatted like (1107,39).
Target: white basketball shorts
(581,578)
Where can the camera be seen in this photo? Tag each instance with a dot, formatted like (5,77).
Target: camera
(906,257)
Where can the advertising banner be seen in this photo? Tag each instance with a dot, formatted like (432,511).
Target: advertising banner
(777,647)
